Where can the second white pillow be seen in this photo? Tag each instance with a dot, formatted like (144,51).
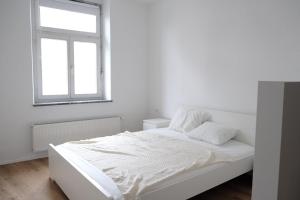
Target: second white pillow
(186,119)
(213,133)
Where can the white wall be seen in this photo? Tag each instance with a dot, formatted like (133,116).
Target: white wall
(212,53)
(129,75)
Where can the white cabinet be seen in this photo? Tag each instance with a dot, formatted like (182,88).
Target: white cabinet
(155,123)
(277,161)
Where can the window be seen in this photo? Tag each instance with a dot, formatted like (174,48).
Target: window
(66,52)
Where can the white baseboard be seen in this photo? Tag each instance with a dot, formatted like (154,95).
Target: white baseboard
(43,154)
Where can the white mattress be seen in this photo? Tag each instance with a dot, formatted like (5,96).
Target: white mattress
(234,148)
(241,153)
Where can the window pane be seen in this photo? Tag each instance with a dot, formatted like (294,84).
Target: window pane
(69,20)
(54,57)
(85,68)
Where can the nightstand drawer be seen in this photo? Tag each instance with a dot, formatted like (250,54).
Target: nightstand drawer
(155,123)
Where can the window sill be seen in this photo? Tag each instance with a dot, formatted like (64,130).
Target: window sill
(71,102)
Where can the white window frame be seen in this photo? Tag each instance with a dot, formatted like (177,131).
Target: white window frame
(39,32)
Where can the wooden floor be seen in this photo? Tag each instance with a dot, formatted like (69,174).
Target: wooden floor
(30,181)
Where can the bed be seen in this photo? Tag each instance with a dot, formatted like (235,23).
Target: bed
(81,179)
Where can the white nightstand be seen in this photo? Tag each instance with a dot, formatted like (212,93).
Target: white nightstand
(155,123)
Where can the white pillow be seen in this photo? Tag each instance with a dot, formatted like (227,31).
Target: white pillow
(213,133)
(186,119)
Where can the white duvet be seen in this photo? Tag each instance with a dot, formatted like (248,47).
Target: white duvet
(141,160)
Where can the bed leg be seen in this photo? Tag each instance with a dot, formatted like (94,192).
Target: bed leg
(51,180)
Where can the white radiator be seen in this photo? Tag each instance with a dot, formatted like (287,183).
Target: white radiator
(58,133)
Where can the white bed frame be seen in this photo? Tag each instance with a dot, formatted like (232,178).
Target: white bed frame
(80,180)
